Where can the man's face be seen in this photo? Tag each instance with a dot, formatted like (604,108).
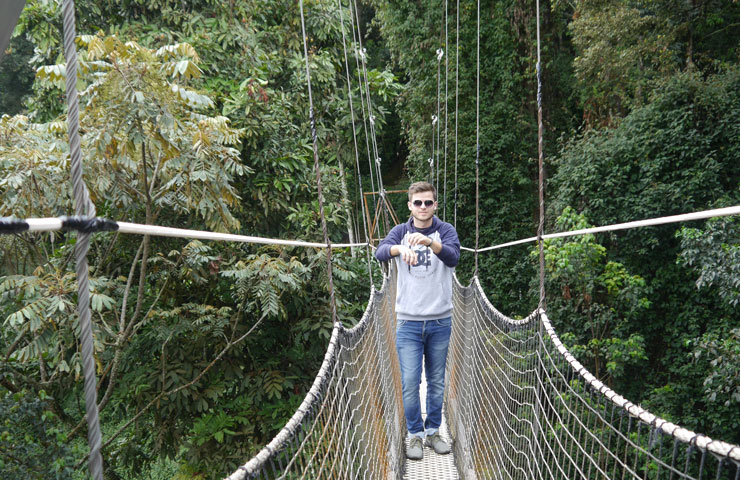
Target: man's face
(422,206)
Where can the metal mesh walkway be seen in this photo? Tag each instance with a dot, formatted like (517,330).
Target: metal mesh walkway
(433,466)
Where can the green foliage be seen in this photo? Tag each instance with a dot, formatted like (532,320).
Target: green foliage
(16,76)
(594,302)
(625,49)
(714,253)
(678,153)
(32,442)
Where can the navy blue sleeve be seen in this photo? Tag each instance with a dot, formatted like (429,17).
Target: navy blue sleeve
(394,237)
(450,253)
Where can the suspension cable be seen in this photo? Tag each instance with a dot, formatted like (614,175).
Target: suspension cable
(477,141)
(83,207)
(435,153)
(314,139)
(354,138)
(358,53)
(447,72)
(457,91)
(540,163)
(373,138)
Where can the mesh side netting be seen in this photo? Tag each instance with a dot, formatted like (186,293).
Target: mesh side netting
(351,423)
(519,406)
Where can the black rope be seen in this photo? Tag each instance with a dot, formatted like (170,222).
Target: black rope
(89,225)
(11,225)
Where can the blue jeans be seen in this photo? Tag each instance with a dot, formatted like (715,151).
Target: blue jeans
(427,340)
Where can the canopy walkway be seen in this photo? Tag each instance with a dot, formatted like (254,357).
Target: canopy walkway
(518,406)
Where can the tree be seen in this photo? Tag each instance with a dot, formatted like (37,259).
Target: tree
(594,303)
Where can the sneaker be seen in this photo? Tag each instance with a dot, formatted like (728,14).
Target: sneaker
(439,445)
(415,450)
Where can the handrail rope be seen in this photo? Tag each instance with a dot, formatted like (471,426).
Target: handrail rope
(457,92)
(447,72)
(83,207)
(700,441)
(685,217)
(477,141)
(354,138)
(97,224)
(541,168)
(89,225)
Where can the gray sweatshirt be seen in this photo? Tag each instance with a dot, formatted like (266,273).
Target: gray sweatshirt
(424,290)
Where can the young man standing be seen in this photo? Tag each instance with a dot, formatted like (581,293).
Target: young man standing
(426,251)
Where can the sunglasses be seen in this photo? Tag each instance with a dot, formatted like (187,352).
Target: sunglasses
(426,203)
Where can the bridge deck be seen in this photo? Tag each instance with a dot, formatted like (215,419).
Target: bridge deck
(432,466)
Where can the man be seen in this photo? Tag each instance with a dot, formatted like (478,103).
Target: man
(426,251)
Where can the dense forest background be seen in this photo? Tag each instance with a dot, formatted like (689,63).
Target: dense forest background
(196,114)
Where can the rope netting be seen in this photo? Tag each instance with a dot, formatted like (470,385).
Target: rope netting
(351,423)
(519,405)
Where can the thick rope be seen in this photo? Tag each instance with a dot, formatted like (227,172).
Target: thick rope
(684,217)
(540,163)
(83,207)
(314,139)
(96,224)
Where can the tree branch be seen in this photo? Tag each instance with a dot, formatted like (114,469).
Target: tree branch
(171,392)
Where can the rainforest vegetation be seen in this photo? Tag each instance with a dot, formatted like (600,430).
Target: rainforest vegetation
(195,114)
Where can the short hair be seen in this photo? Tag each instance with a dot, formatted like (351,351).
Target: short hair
(420,187)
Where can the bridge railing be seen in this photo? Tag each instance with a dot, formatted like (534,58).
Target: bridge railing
(351,423)
(519,405)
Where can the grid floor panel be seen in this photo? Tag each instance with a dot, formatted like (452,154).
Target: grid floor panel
(432,466)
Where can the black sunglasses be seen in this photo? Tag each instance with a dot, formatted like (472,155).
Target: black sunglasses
(427,203)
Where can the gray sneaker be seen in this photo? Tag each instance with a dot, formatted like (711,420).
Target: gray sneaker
(415,450)
(438,444)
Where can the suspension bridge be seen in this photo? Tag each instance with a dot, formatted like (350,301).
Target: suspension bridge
(518,405)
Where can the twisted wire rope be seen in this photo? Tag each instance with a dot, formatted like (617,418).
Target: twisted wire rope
(83,207)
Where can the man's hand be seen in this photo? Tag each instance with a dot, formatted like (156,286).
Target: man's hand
(419,239)
(406,254)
